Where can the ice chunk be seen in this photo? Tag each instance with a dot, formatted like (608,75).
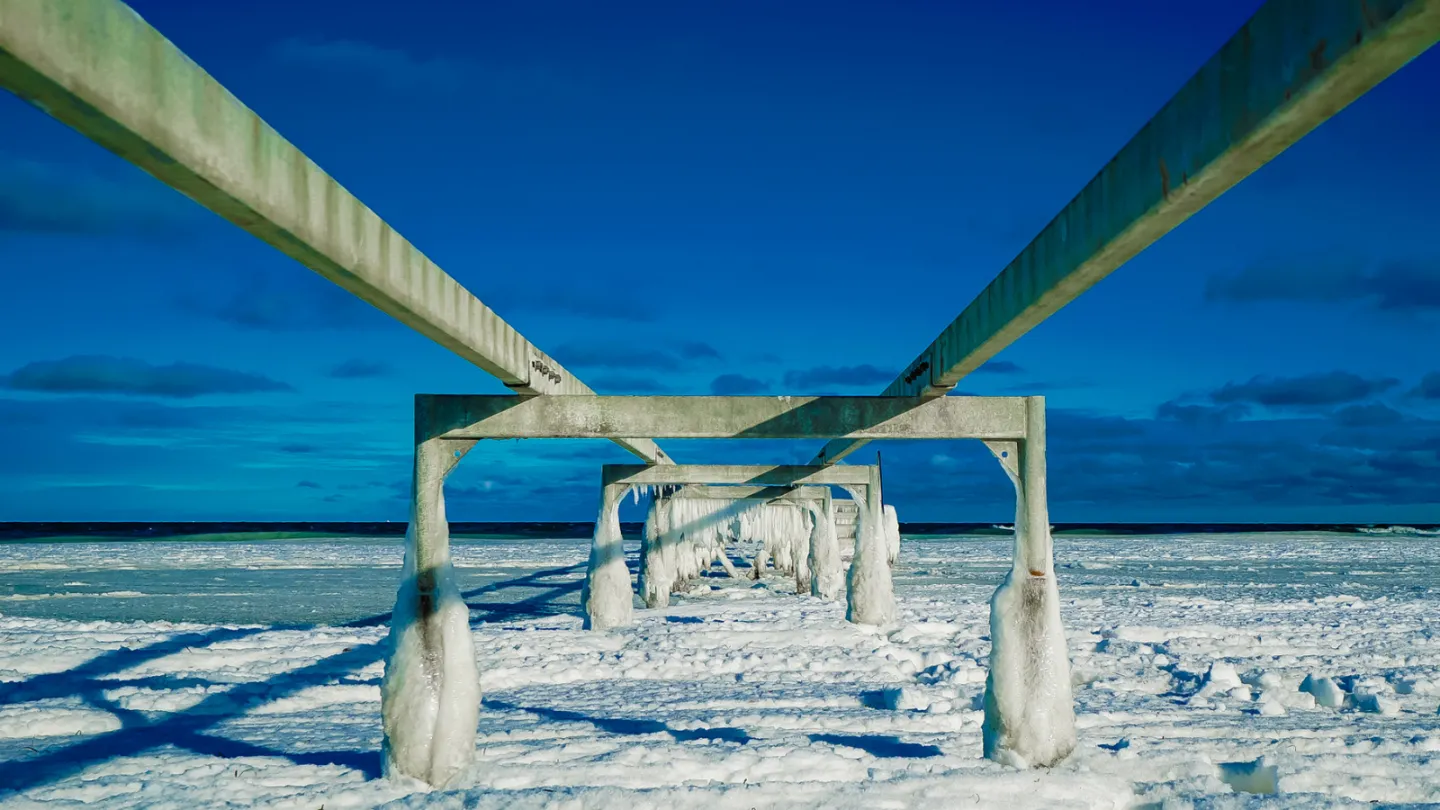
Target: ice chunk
(1251,777)
(904,698)
(1372,703)
(1221,677)
(1326,692)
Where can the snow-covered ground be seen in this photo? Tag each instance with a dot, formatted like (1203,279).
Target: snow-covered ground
(188,675)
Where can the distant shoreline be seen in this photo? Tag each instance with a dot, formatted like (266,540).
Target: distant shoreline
(302,530)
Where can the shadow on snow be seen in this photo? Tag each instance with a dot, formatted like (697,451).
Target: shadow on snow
(192,728)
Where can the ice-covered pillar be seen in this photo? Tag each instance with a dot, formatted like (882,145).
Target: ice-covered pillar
(1029,710)
(869,591)
(657,554)
(824,557)
(430,694)
(607,597)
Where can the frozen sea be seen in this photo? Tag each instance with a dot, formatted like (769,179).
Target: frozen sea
(183,674)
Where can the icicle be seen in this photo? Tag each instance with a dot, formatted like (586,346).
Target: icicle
(892,535)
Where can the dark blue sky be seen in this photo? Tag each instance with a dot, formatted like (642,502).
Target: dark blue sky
(733,196)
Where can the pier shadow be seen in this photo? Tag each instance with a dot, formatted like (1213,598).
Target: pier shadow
(879,745)
(193,729)
(618,725)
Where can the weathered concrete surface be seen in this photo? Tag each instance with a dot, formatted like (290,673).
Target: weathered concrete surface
(1291,67)
(755,475)
(751,493)
(715,417)
(97,66)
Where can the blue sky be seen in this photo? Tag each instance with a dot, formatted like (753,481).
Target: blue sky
(736,197)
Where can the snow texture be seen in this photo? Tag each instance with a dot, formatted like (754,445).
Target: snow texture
(826,575)
(1029,709)
(430,692)
(124,687)
(606,597)
(869,591)
(892,535)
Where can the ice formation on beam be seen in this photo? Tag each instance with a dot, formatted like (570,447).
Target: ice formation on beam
(606,596)
(869,591)
(430,693)
(783,530)
(892,535)
(1029,709)
(824,554)
(683,538)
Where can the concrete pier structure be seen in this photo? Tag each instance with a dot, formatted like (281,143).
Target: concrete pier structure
(734,491)
(869,587)
(98,67)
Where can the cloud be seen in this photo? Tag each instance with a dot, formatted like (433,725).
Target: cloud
(737,385)
(695,350)
(273,303)
(577,355)
(860,375)
(1329,388)
(626,384)
(39,198)
(1393,286)
(1201,414)
(1429,387)
(359,368)
(391,68)
(299,448)
(1374,414)
(999,367)
(99,374)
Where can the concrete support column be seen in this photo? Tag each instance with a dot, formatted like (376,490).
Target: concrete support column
(869,591)
(1029,709)
(430,694)
(607,596)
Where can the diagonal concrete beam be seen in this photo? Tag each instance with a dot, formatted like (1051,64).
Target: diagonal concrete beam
(1291,67)
(97,66)
(716,417)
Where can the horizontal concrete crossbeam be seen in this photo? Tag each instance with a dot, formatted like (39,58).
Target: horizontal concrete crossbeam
(100,68)
(748,475)
(753,493)
(1291,67)
(714,417)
